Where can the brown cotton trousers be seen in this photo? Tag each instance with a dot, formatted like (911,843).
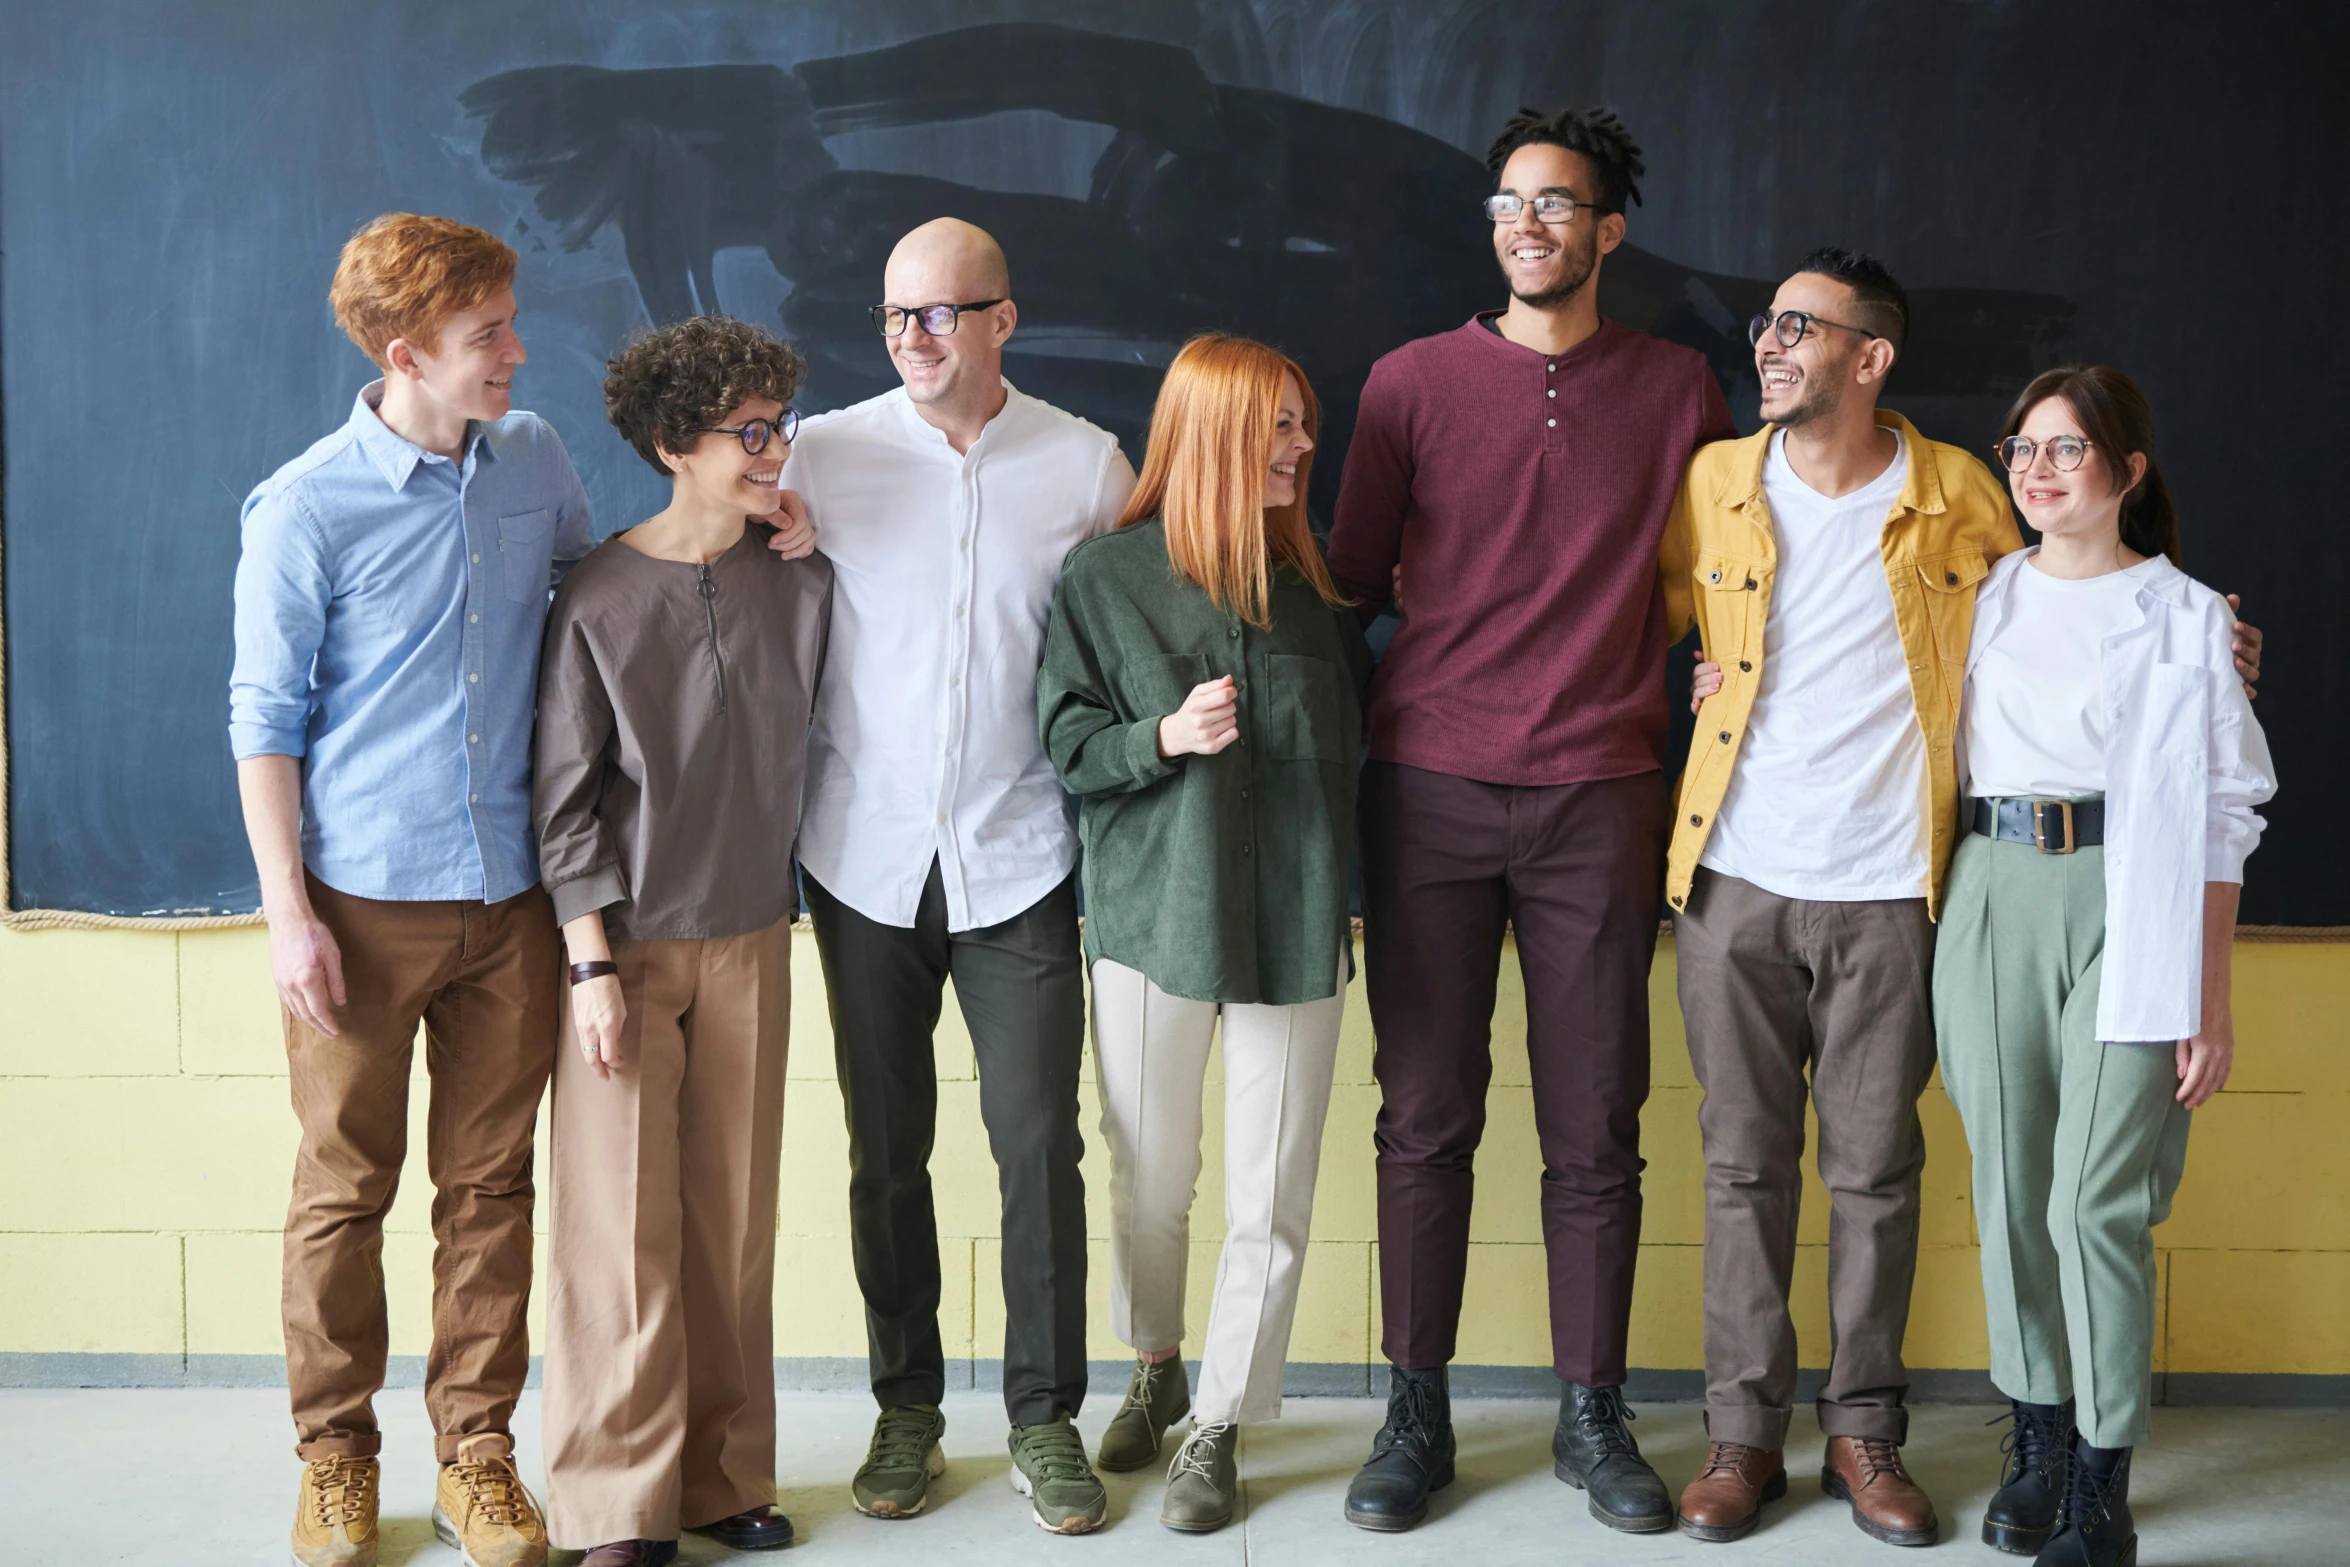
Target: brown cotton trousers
(1788,999)
(483,980)
(660,1384)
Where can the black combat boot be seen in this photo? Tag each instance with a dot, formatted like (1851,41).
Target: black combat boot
(2022,1514)
(2094,1529)
(1593,1451)
(1411,1455)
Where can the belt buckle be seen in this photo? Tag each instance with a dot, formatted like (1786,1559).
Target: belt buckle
(2040,826)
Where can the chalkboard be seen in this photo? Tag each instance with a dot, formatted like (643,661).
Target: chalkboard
(2111,180)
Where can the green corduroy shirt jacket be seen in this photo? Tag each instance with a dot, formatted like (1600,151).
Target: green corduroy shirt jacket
(1221,878)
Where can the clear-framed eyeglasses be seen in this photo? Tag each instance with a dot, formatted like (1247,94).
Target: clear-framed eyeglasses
(756,433)
(2018,452)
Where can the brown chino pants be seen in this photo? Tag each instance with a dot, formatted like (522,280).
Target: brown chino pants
(1448,863)
(660,1402)
(482,979)
(1772,987)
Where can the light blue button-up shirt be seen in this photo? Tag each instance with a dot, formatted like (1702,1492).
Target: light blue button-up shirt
(389,608)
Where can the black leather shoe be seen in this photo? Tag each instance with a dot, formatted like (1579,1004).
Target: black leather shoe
(1593,1451)
(2094,1527)
(1410,1457)
(2022,1514)
(760,1529)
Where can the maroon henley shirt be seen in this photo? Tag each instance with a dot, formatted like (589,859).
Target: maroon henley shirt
(1525,496)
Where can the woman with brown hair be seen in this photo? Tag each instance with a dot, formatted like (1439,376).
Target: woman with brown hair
(1202,695)
(2109,763)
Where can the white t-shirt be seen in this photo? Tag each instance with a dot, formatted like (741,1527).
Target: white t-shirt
(2034,725)
(924,744)
(1828,799)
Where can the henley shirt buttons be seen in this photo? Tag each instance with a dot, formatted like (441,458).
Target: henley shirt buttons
(1553,392)
(1554,424)
(1550,368)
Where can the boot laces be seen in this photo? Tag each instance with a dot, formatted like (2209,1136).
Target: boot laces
(1602,1418)
(1876,1456)
(340,1490)
(1725,1456)
(1411,1422)
(2087,1496)
(1149,1377)
(1055,1451)
(2030,1445)
(1198,1450)
(493,1491)
(901,1438)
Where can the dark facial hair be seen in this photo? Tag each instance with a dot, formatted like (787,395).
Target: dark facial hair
(1580,261)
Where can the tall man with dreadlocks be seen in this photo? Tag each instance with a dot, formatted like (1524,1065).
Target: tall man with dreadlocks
(1517,472)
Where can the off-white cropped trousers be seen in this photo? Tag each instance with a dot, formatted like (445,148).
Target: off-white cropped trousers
(1152,1055)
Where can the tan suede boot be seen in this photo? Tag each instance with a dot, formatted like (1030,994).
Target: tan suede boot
(334,1523)
(484,1510)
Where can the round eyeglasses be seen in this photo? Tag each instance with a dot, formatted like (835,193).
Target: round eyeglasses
(756,433)
(937,320)
(1789,327)
(1550,207)
(2019,452)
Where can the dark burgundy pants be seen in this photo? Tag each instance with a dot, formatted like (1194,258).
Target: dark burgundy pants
(1448,864)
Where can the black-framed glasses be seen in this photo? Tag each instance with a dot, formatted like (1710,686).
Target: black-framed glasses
(937,320)
(756,433)
(1790,326)
(1551,206)
(2018,452)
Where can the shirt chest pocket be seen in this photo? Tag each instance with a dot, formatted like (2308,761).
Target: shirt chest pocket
(1305,711)
(1948,588)
(1728,589)
(525,554)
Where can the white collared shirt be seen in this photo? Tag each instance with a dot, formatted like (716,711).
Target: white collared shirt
(925,743)
(2185,763)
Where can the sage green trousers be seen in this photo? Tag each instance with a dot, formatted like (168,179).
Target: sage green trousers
(2078,1145)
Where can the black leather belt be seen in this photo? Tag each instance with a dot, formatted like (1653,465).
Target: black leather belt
(2051,826)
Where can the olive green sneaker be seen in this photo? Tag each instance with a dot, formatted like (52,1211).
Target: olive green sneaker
(904,1458)
(1204,1480)
(1158,1396)
(1049,1468)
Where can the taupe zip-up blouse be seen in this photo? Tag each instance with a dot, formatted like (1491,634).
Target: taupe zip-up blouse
(673,737)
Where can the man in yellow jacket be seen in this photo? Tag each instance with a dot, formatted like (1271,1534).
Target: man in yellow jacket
(1830,563)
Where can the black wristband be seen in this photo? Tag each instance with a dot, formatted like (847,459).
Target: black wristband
(581,973)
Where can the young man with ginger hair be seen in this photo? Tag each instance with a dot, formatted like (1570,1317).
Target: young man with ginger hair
(389,604)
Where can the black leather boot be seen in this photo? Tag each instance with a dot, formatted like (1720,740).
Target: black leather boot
(1410,1457)
(2094,1528)
(1593,1451)
(2022,1514)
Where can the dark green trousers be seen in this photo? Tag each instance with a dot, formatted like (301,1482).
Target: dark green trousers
(1021,985)
(2078,1144)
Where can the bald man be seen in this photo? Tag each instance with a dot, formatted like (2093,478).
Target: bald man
(934,844)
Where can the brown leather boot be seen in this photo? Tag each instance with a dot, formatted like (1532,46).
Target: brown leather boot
(1725,1501)
(1886,1503)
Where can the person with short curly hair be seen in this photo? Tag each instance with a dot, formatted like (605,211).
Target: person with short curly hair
(680,669)
(390,597)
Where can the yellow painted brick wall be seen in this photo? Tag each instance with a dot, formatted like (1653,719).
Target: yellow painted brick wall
(145,1145)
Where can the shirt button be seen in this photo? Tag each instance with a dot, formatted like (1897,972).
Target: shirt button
(942,818)
(1244,794)
(473,620)
(477,559)
(473,739)
(1235,632)
(473,679)
(1553,392)
(1554,424)
(1550,367)
(473,799)
(1245,849)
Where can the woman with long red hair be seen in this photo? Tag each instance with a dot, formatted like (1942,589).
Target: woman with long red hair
(1202,695)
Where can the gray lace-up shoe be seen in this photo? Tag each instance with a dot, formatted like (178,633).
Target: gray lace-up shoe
(904,1458)
(1049,1468)
(1203,1482)
(1158,1396)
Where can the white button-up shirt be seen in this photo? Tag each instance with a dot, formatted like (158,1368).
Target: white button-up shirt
(2185,763)
(924,743)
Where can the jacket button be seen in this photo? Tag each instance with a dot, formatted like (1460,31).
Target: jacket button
(1750,584)
(1951,577)
(1725,737)
(1716,577)
(1745,667)
(1697,821)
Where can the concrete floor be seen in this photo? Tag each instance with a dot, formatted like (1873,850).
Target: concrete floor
(206,1478)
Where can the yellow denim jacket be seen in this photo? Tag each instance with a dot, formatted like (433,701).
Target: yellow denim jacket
(1718,562)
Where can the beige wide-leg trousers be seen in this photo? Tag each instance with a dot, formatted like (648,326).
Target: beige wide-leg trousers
(660,1373)
(1152,1054)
